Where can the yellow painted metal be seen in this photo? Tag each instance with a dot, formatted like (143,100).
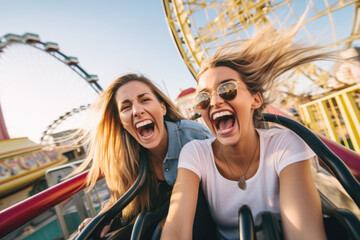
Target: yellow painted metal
(347,121)
(177,19)
(331,132)
(309,118)
(199,27)
(304,115)
(354,119)
(184,27)
(341,131)
(319,121)
(340,116)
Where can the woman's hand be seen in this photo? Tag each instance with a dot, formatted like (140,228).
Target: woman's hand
(86,222)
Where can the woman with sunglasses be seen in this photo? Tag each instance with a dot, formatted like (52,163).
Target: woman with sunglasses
(266,169)
(133,113)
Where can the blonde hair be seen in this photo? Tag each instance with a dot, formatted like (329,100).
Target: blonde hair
(114,153)
(260,61)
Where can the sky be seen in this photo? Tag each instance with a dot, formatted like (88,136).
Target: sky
(110,38)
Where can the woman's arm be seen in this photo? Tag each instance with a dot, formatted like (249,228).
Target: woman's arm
(179,221)
(300,204)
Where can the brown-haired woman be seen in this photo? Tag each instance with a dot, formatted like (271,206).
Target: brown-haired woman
(134,112)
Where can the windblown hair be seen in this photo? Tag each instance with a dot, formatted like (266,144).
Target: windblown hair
(114,153)
(261,60)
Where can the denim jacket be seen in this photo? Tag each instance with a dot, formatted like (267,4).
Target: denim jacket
(179,133)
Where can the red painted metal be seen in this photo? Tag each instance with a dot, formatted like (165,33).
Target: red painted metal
(349,157)
(186,92)
(20,213)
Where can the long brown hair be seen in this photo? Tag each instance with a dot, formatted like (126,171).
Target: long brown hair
(114,153)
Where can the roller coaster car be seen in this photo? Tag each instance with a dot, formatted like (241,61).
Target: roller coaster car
(339,223)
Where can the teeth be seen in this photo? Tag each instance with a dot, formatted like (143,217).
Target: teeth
(143,123)
(220,114)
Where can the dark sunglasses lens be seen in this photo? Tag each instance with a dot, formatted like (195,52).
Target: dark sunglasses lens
(227,91)
(202,100)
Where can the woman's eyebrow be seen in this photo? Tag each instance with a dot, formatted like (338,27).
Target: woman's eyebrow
(227,80)
(125,101)
(143,94)
(138,97)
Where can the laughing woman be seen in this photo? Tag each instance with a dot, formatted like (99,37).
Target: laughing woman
(268,170)
(134,113)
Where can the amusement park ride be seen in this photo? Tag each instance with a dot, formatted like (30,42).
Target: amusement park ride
(329,104)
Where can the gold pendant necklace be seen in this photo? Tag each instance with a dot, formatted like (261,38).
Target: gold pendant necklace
(242,179)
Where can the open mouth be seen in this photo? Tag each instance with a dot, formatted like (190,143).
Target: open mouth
(145,128)
(223,121)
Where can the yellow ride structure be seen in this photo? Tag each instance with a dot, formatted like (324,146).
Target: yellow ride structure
(326,95)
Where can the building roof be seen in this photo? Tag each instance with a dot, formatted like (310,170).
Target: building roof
(17,146)
(186,92)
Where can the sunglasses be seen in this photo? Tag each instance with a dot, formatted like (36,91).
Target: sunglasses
(226,91)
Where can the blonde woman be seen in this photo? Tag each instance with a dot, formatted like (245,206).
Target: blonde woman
(133,113)
(268,170)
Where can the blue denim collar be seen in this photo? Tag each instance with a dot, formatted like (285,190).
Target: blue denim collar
(174,143)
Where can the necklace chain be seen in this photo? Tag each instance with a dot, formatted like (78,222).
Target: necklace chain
(242,179)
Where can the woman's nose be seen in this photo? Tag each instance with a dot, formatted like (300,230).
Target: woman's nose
(137,110)
(215,99)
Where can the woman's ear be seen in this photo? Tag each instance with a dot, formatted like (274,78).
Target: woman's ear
(163,107)
(258,100)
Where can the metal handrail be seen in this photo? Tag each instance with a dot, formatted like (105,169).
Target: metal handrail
(337,166)
(22,212)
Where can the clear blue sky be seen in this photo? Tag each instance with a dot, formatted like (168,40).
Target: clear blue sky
(109,38)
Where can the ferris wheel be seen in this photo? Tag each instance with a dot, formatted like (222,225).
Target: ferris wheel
(200,27)
(49,138)
(39,83)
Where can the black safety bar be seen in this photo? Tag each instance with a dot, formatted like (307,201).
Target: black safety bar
(94,228)
(147,222)
(336,165)
(246,223)
(349,222)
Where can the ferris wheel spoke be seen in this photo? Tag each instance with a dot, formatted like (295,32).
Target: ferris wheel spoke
(38,83)
(201,27)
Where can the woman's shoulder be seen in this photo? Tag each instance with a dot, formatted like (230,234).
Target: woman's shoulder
(276,133)
(279,137)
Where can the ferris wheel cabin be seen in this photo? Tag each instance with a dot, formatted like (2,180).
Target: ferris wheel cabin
(71,60)
(51,47)
(31,38)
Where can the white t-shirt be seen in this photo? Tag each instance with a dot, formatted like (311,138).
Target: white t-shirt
(278,149)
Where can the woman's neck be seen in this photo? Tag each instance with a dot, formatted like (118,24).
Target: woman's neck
(243,151)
